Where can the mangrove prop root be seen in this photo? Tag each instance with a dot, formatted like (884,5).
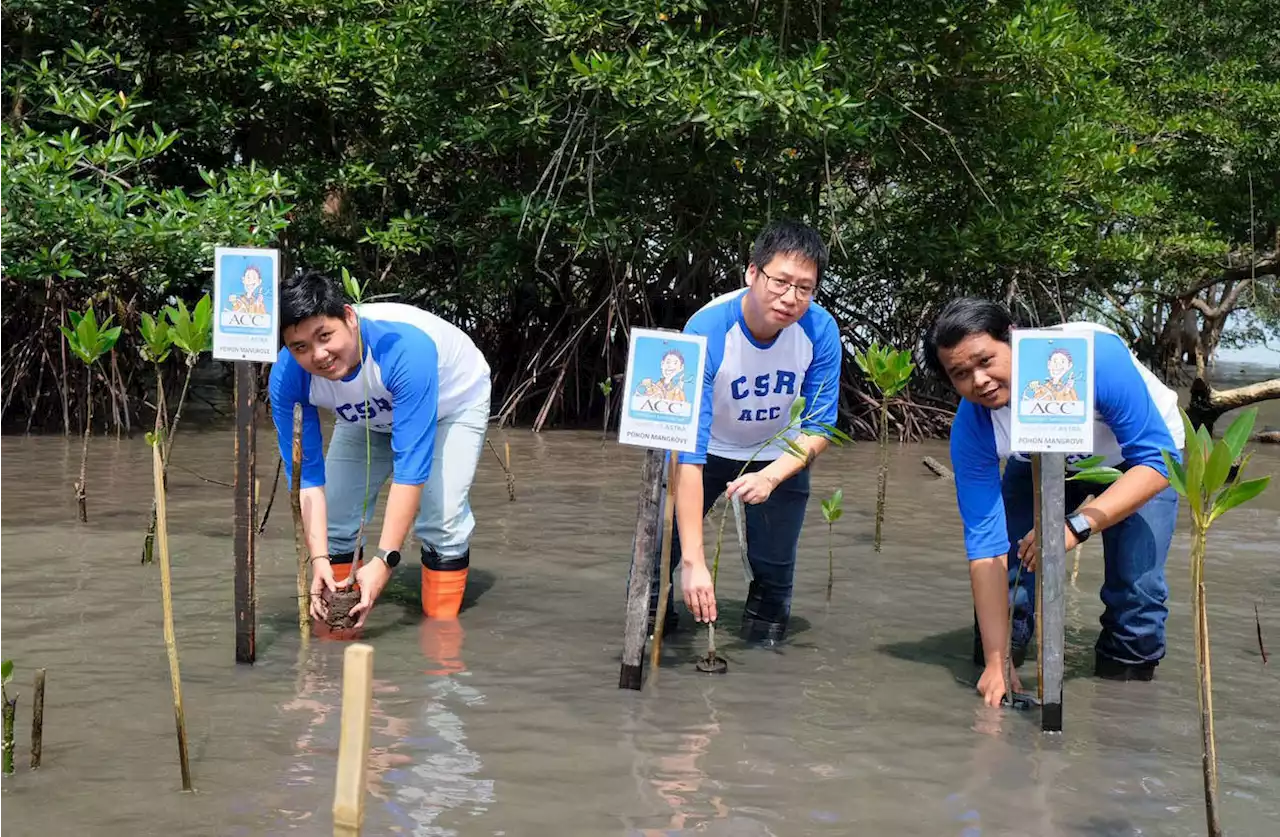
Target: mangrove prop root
(37,719)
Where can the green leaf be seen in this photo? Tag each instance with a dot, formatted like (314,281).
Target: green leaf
(1215,472)
(1239,431)
(836,434)
(1091,462)
(794,449)
(1101,475)
(1177,476)
(797,409)
(1241,492)
(6,670)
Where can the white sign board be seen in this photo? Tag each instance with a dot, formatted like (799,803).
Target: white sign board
(662,395)
(246,303)
(1052,402)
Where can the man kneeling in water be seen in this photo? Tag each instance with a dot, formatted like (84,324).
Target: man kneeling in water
(410,393)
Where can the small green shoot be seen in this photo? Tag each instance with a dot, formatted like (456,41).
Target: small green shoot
(831,512)
(890,370)
(89,342)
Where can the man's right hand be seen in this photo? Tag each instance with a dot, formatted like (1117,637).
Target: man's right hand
(991,684)
(322,583)
(699,595)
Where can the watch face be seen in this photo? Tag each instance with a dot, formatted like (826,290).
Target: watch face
(393,558)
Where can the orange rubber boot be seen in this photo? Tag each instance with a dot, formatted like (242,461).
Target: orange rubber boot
(444,580)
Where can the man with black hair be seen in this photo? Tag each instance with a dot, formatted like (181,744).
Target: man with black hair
(410,393)
(767,345)
(1137,418)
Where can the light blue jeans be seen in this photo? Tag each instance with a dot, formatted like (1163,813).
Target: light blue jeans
(444,521)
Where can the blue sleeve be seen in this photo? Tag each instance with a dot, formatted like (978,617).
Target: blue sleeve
(410,371)
(290,384)
(1125,404)
(977,467)
(821,388)
(710,324)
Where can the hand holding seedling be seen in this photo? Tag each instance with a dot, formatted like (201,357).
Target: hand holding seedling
(991,683)
(322,583)
(751,488)
(699,592)
(371,577)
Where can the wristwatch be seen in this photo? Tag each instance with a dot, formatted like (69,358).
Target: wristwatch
(1080,527)
(391,556)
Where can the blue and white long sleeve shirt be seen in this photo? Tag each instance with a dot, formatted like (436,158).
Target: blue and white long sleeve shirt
(417,369)
(1136,418)
(748,386)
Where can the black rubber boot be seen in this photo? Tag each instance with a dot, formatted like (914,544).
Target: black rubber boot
(980,656)
(432,560)
(762,623)
(1109,669)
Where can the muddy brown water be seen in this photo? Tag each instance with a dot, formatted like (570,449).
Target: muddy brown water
(511,722)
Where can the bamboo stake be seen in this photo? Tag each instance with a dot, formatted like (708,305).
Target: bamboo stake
(1204,691)
(353,743)
(37,720)
(166,588)
(299,531)
(664,579)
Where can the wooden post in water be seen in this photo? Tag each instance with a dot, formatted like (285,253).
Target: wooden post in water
(641,571)
(245,513)
(1051,579)
(37,720)
(353,742)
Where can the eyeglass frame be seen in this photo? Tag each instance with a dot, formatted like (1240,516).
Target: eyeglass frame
(808,293)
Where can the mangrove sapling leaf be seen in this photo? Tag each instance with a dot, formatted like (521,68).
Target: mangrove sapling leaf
(890,370)
(1211,488)
(831,512)
(89,342)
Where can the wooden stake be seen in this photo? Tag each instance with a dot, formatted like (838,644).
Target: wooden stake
(299,531)
(641,571)
(166,594)
(664,578)
(1051,580)
(245,516)
(353,743)
(37,720)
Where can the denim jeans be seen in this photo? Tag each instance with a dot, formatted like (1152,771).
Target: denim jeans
(1134,551)
(444,522)
(773,534)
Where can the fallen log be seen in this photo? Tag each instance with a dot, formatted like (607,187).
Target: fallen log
(1207,404)
(1271,437)
(938,468)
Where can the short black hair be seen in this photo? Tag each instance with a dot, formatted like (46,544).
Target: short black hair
(788,237)
(961,318)
(310,293)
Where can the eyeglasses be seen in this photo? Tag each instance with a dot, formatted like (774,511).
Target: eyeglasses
(779,287)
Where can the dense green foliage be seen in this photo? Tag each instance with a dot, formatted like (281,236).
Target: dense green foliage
(545,172)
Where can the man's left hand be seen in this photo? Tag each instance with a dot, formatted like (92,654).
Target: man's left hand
(371,577)
(752,488)
(1029,550)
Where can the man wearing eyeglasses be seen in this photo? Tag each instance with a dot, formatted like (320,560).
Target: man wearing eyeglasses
(767,345)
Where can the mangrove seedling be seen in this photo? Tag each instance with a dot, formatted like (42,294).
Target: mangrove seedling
(10,714)
(1212,487)
(797,419)
(89,342)
(889,369)
(192,332)
(831,512)
(157,345)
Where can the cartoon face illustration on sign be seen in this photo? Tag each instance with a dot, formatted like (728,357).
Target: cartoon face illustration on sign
(251,301)
(670,386)
(1061,384)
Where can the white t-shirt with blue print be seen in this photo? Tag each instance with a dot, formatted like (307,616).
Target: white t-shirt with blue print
(417,369)
(748,387)
(1136,419)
